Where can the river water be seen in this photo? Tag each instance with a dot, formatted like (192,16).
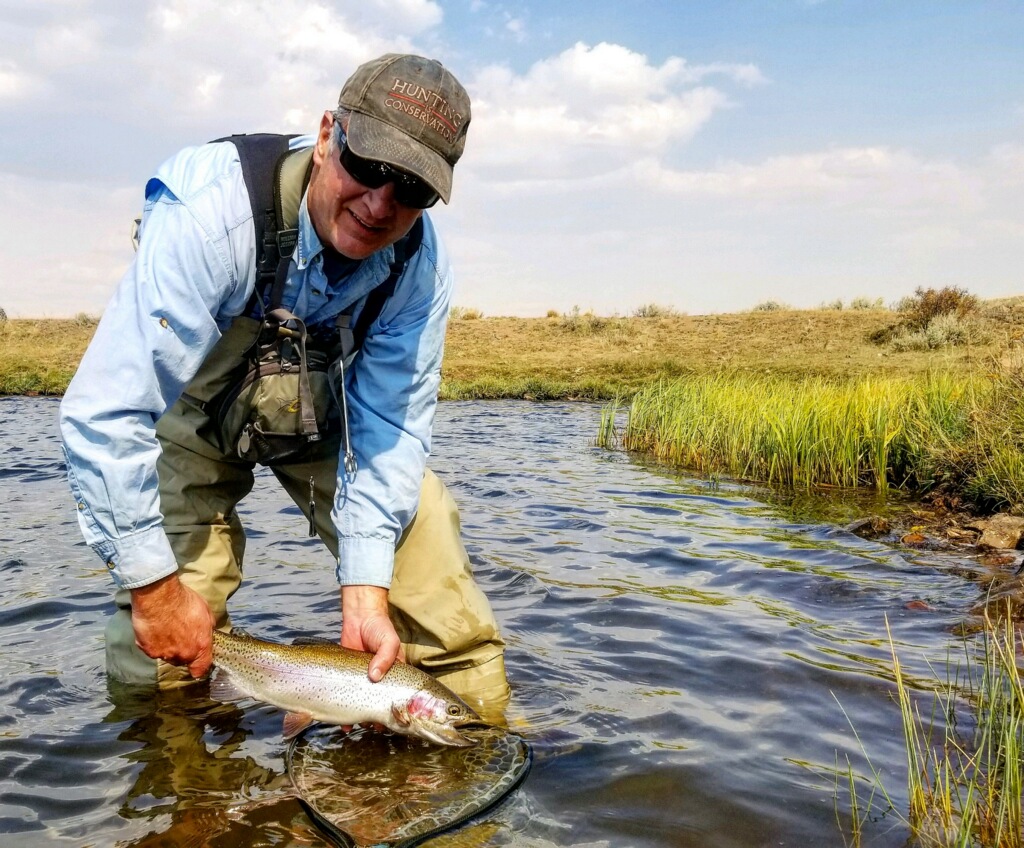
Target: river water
(683,656)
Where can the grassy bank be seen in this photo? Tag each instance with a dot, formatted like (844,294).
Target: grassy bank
(40,356)
(577,356)
(964,432)
(802,432)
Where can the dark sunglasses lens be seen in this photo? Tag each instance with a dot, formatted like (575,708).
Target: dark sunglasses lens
(409,191)
(371,174)
(415,193)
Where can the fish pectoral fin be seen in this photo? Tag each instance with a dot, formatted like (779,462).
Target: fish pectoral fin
(400,716)
(224,688)
(295,723)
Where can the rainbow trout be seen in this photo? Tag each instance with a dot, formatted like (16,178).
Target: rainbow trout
(327,683)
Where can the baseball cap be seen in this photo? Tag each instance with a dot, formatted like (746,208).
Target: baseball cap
(409,112)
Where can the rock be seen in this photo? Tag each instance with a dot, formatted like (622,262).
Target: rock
(869,528)
(997,559)
(920,606)
(1001,532)
(913,538)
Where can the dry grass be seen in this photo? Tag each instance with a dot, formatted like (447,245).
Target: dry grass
(600,357)
(40,356)
(629,353)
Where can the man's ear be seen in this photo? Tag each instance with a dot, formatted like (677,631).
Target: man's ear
(323,139)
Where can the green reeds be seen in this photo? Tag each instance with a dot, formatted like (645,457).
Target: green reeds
(875,432)
(964,787)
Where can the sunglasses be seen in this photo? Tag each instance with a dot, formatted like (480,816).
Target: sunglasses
(409,190)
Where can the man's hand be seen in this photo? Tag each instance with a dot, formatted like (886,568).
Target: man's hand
(366,626)
(173,623)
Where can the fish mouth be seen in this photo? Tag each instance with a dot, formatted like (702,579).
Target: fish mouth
(448,733)
(451,735)
(444,734)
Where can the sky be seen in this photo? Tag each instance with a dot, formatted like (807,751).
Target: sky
(705,156)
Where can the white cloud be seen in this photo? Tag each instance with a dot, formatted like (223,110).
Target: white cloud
(82,230)
(15,83)
(516,27)
(206,66)
(866,177)
(587,110)
(804,228)
(570,191)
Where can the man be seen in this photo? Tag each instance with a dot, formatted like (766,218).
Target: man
(156,494)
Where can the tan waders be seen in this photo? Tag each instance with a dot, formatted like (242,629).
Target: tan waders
(443,619)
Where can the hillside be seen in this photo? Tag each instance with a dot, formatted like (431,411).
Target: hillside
(576,355)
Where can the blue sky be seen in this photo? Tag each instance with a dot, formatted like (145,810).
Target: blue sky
(701,155)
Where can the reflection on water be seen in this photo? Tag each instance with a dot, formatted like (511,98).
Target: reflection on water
(678,654)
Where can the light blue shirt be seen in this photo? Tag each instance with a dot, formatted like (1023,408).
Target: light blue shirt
(193,273)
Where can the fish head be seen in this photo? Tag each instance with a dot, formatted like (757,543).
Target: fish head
(435,718)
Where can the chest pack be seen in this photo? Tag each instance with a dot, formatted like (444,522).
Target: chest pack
(287,392)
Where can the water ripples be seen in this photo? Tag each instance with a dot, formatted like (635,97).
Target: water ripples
(678,652)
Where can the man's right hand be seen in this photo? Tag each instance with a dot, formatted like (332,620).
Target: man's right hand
(173,623)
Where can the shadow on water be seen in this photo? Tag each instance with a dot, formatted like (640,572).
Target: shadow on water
(678,654)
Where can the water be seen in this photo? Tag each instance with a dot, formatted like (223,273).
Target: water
(681,655)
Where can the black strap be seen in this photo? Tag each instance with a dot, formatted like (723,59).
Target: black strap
(405,249)
(261,155)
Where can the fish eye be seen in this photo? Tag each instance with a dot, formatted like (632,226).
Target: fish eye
(454,710)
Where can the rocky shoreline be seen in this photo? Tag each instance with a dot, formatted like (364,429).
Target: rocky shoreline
(943,524)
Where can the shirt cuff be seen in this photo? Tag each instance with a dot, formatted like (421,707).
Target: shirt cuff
(366,561)
(139,559)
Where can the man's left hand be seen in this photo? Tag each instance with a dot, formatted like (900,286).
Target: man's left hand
(366,626)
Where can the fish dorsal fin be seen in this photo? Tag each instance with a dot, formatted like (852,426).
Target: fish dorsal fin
(295,723)
(314,640)
(241,633)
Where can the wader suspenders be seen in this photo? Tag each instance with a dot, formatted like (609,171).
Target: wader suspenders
(276,180)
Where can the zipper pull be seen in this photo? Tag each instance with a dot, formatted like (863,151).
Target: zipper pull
(312,510)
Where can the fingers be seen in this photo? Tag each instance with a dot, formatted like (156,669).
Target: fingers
(200,666)
(385,657)
(174,624)
(367,627)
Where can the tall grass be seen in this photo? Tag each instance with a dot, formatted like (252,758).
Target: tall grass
(964,786)
(966,433)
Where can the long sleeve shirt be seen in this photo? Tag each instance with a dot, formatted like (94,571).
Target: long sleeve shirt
(193,273)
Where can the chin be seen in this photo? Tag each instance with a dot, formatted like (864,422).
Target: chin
(354,249)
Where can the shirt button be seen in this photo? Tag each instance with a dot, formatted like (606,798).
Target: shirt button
(81,505)
(317,292)
(163,323)
(110,564)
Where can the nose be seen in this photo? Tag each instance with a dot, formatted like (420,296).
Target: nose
(381,201)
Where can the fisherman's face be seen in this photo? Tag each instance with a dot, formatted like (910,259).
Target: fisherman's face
(355,220)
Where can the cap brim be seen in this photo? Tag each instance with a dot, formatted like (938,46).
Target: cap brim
(373,139)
